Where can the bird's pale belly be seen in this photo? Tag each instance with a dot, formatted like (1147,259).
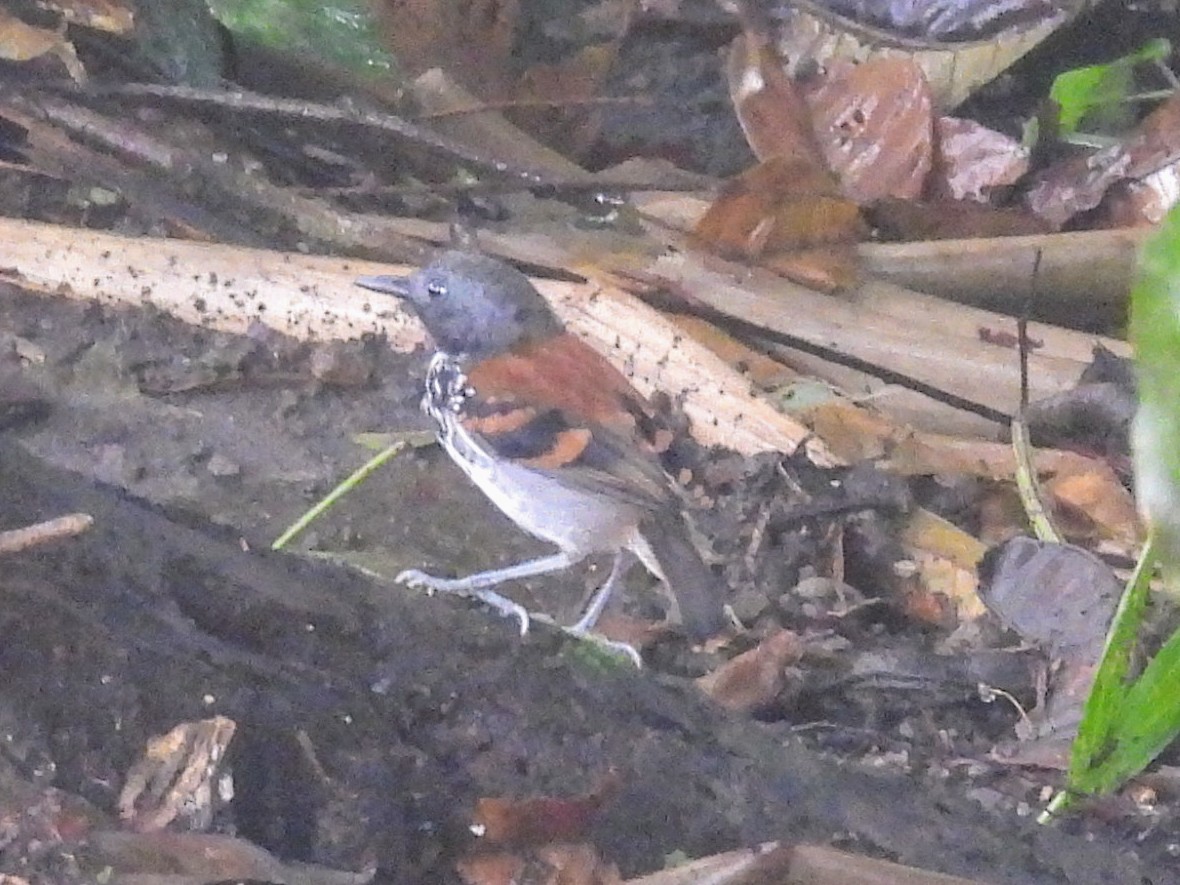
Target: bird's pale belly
(573,519)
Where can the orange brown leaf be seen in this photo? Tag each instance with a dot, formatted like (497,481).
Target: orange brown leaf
(875,125)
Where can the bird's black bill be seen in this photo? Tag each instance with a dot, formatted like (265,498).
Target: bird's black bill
(390,285)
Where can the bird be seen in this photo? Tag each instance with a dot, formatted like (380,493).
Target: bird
(553,434)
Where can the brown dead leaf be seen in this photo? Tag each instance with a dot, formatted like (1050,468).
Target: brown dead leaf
(1141,203)
(1056,596)
(542,820)
(754,679)
(971,160)
(874,123)
(781,206)
(770,109)
(470,39)
(1098,496)
(913,221)
(113,16)
(1079,183)
(939,586)
(787,212)
(22,42)
(778,205)
(571,124)
(204,857)
(563,864)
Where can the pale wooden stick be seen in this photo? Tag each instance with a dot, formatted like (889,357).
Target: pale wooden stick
(231,288)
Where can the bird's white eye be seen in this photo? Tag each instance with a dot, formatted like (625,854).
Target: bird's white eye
(436,288)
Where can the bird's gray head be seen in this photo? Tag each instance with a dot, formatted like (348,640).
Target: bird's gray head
(472,304)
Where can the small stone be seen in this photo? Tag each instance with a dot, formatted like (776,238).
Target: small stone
(748,605)
(222,467)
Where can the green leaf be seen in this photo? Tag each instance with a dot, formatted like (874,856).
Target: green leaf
(1083,91)
(1150,719)
(342,33)
(1155,334)
(1104,715)
(1124,727)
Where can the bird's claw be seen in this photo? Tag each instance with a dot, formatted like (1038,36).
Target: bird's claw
(611,646)
(420,580)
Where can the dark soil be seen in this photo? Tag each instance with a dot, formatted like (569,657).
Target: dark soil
(169,611)
(370,718)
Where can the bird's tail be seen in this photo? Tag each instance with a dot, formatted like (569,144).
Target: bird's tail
(677,563)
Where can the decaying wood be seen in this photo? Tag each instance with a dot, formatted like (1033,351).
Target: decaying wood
(1083,269)
(231,288)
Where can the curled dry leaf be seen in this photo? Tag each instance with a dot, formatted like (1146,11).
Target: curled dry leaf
(812,35)
(22,42)
(947,20)
(113,16)
(543,820)
(972,160)
(874,124)
(786,213)
(1056,596)
(558,864)
(472,40)
(1079,183)
(910,220)
(753,680)
(1142,203)
(776,206)
(771,110)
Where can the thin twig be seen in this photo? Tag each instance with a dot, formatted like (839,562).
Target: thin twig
(243,100)
(68,526)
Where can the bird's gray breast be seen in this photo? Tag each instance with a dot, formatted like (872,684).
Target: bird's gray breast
(572,518)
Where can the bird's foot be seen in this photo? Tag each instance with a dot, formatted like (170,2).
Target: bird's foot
(584,634)
(462,587)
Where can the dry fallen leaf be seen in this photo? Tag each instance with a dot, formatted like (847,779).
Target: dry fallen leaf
(542,820)
(777,206)
(754,679)
(782,206)
(1079,183)
(769,107)
(571,124)
(113,16)
(971,160)
(954,21)
(472,40)
(22,42)
(812,35)
(1098,496)
(561,864)
(1056,596)
(874,123)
